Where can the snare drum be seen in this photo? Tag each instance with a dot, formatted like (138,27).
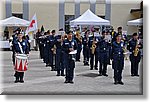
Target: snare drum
(21,62)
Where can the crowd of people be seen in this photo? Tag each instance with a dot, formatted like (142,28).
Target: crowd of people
(100,49)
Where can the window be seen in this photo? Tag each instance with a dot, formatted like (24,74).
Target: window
(68,18)
(19,15)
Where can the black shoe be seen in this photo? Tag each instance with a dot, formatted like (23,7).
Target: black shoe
(62,74)
(53,69)
(96,68)
(66,81)
(99,74)
(105,75)
(21,81)
(86,64)
(91,68)
(71,82)
(121,83)
(58,75)
(16,81)
(47,65)
(137,75)
(132,75)
(115,82)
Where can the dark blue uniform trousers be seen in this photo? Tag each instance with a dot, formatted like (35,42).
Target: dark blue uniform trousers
(92,59)
(103,59)
(69,65)
(86,53)
(118,65)
(59,61)
(134,64)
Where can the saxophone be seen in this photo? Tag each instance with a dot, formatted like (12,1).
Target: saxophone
(78,36)
(136,50)
(93,46)
(54,49)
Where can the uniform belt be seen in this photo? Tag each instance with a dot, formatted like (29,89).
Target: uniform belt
(119,53)
(103,49)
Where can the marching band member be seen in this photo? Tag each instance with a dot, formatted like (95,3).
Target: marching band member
(109,39)
(103,54)
(41,46)
(78,39)
(38,34)
(47,50)
(93,43)
(20,47)
(86,49)
(69,45)
(59,54)
(134,47)
(13,48)
(113,34)
(83,31)
(92,50)
(118,59)
(50,41)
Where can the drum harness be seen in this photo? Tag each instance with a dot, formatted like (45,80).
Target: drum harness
(20,47)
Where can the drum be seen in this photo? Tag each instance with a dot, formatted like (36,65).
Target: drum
(21,62)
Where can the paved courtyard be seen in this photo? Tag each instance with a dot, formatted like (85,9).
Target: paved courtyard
(40,80)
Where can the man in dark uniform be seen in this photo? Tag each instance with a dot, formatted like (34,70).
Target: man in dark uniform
(50,41)
(135,56)
(41,46)
(78,39)
(26,38)
(68,46)
(20,47)
(44,47)
(114,34)
(103,54)
(14,36)
(97,39)
(86,49)
(13,48)
(109,40)
(38,34)
(118,59)
(93,43)
(59,55)
(90,44)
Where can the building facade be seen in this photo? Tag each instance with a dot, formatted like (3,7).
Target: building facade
(55,14)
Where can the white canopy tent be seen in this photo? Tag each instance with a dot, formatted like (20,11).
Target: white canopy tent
(14,22)
(89,18)
(136,22)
